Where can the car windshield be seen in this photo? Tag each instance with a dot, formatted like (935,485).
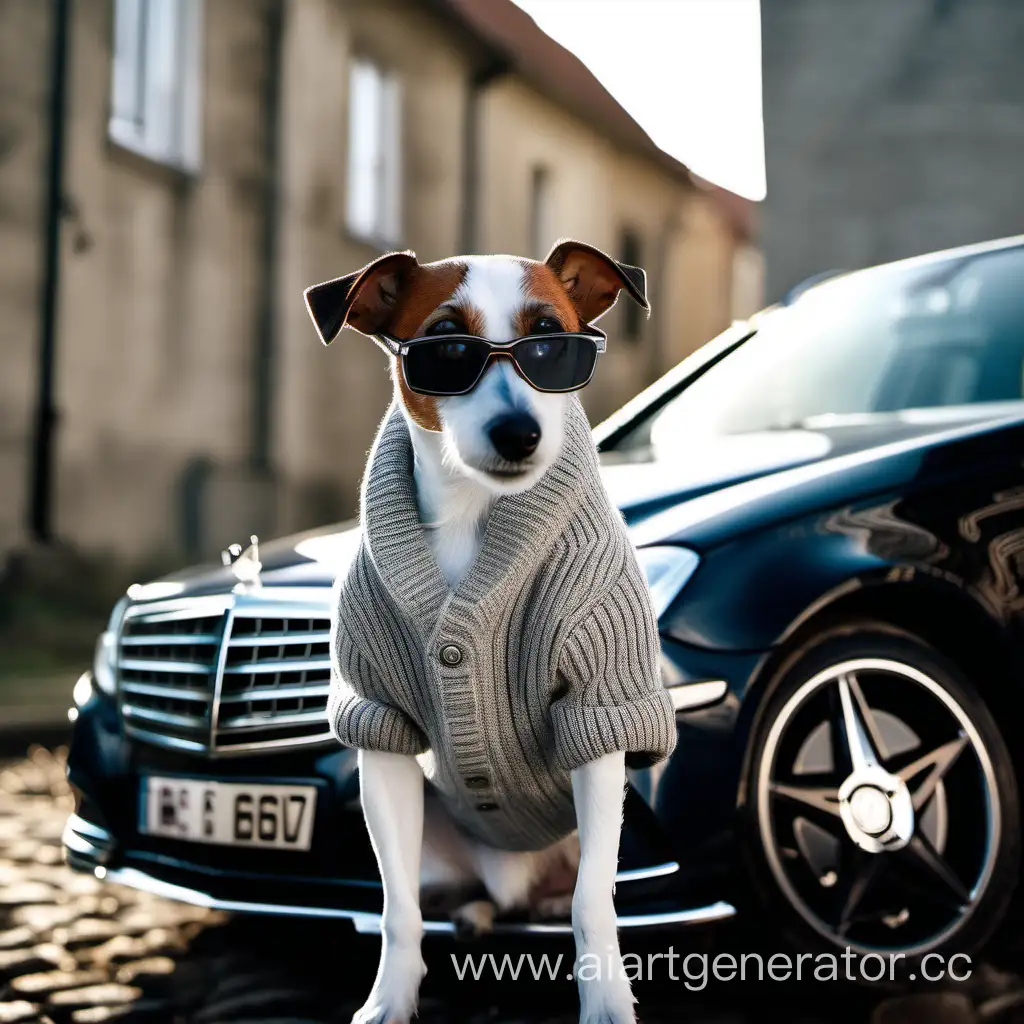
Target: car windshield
(938,338)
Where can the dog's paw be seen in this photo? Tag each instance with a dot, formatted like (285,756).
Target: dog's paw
(396,991)
(606,1003)
(474,920)
(384,1008)
(372,1013)
(608,1015)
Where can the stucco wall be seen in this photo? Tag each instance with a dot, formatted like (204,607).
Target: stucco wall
(329,401)
(158,314)
(596,191)
(890,129)
(704,278)
(164,285)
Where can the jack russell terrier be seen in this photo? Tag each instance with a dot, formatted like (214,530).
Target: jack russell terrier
(493,634)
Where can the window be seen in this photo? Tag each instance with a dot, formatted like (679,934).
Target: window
(630,254)
(374,154)
(926,342)
(541,233)
(155,103)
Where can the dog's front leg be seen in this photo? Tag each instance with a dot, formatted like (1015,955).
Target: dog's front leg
(392,797)
(598,789)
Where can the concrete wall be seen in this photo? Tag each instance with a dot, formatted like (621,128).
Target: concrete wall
(890,129)
(24,147)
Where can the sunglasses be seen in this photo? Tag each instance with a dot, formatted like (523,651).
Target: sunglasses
(452,364)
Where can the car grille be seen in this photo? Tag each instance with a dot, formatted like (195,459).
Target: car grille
(225,680)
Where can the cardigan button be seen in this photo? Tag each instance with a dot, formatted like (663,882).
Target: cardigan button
(450,654)
(486,807)
(477,782)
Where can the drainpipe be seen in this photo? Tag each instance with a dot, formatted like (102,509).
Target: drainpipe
(41,482)
(471,157)
(266,328)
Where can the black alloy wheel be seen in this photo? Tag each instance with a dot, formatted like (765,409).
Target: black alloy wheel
(885,814)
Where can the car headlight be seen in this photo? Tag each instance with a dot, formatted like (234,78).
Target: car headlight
(83,690)
(104,662)
(667,569)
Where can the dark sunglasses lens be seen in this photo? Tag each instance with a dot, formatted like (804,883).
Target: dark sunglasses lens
(558,363)
(448,366)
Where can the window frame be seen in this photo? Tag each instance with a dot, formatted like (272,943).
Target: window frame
(156,85)
(377,172)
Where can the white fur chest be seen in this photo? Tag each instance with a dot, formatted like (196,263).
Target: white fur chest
(455,546)
(453,510)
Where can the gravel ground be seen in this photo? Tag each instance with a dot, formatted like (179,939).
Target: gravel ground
(75,949)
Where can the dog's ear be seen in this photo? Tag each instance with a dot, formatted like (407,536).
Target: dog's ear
(365,300)
(593,280)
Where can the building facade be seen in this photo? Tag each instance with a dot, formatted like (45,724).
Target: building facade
(222,155)
(891,129)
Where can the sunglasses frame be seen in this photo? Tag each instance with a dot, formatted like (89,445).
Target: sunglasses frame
(498,350)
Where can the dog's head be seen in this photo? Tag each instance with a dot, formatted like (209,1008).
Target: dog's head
(504,433)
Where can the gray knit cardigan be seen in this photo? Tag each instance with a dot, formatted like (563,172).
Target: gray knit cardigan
(543,658)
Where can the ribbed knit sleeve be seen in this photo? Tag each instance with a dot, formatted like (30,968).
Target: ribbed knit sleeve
(615,700)
(358,715)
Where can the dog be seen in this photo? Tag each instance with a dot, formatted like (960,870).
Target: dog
(494,637)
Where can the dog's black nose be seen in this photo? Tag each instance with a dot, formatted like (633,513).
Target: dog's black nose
(515,437)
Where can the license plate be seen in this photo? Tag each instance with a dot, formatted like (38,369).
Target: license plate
(229,813)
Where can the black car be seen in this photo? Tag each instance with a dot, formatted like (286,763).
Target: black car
(829,503)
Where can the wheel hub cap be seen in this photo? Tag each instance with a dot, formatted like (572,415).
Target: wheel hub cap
(877,809)
(871,811)
(872,756)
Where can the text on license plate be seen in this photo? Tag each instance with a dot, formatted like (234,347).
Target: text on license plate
(229,813)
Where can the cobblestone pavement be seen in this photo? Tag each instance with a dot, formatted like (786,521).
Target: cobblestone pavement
(75,949)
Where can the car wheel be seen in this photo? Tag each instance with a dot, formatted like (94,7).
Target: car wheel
(881,800)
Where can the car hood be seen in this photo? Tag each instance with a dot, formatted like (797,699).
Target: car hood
(310,559)
(701,465)
(713,487)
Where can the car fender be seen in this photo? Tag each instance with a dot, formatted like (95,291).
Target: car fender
(749,594)
(757,592)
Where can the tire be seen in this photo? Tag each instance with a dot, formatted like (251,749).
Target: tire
(817,866)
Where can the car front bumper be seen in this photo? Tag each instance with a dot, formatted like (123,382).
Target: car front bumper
(87,846)
(337,877)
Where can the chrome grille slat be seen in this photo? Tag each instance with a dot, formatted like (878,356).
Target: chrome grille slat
(258,668)
(167,692)
(162,739)
(164,718)
(194,668)
(234,722)
(227,675)
(276,693)
(170,639)
(275,639)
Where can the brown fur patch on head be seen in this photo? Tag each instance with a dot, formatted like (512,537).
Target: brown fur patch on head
(429,286)
(472,317)
(545,296)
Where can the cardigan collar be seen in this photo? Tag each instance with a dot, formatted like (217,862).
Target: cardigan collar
(518,534)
